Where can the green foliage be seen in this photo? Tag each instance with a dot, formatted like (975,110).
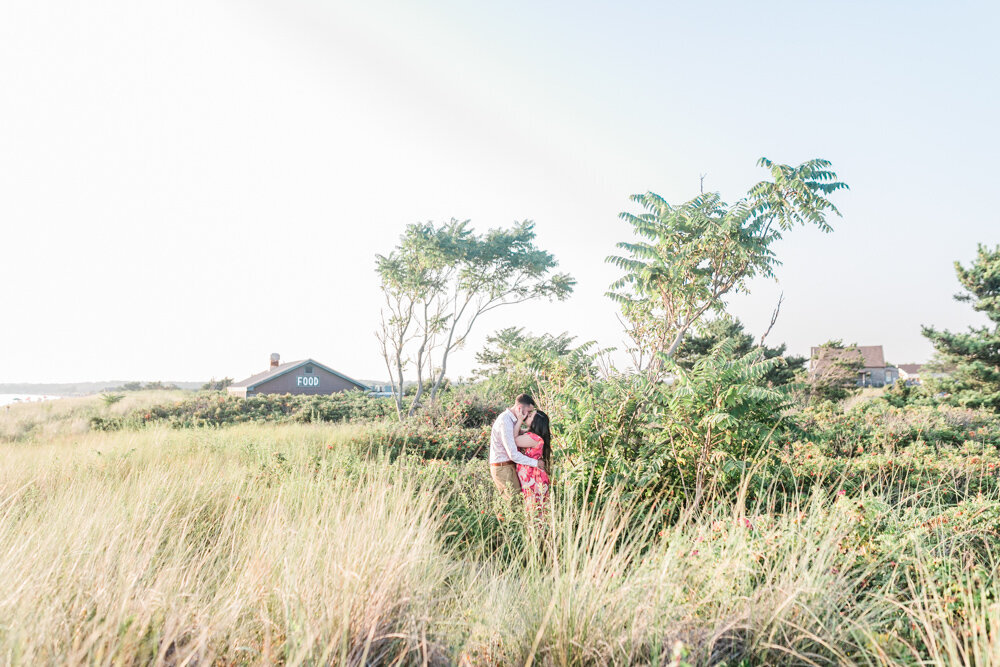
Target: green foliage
(975,355)
(217,385)
(439,280)
(901,393)
(513,362)
(223,410)
(692,255)
(834,371)
(156,385)
(111,399)
(673,439)
(708,334)
(463,407)
(878,426)
(428,441)
(718,415)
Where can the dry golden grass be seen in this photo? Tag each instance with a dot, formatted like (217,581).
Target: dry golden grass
(40,421)
(264,544)
(163,547)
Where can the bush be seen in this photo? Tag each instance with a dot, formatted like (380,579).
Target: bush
(430,442)
(678,439)
(878,426)
(215,409)
(464,407)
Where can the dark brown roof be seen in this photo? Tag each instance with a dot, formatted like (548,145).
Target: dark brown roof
(911,369)
(872,355)
(286,367)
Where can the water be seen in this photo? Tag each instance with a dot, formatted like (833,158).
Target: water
(8,399)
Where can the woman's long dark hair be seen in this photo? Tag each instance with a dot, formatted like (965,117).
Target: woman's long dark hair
(540,427)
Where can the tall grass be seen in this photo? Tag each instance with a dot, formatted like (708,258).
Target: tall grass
(39,421)
(160,550)
(297,544)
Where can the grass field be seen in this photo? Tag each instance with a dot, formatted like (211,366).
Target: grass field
(307,544)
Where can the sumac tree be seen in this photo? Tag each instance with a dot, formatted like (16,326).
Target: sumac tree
(690,256)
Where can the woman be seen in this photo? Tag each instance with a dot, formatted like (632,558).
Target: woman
(536,442)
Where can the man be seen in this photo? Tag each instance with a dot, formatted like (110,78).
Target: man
(504,456)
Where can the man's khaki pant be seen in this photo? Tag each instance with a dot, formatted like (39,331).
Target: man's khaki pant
(505,478)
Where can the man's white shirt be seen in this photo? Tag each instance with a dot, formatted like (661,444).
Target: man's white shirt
(502,445)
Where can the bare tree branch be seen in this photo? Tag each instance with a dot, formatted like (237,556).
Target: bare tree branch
(774,318)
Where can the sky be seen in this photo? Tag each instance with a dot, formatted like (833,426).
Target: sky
(187,187)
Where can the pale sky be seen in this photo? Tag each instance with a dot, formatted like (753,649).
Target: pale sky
(186,187)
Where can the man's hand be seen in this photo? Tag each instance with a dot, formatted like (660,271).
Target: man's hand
(541,465)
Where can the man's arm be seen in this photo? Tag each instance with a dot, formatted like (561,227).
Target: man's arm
(507,435)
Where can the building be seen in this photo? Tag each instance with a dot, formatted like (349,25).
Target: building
(295,377)
(910,373)
(874,372)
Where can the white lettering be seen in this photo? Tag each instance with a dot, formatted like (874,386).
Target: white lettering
(311,381)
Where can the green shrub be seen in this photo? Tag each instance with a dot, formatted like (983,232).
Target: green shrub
(217,409)
(878,426)
(463,407)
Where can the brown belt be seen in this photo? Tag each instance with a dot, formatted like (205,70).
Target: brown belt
(505,463)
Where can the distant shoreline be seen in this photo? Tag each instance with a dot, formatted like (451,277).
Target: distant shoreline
(76,388)
(10,399)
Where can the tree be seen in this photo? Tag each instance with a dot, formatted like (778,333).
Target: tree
(217,385)
(513,362)
(111,399)
(834,371)
(708,334)
(975,355)
(409,276)
(691,256)
(439,280)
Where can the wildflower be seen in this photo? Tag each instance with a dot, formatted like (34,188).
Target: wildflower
(746,523)
(841,492)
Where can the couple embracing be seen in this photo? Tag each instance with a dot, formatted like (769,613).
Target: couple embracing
(520,452)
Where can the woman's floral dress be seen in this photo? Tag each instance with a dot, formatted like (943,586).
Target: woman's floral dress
(534,482)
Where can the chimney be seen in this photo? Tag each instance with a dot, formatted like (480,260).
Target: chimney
(275,358)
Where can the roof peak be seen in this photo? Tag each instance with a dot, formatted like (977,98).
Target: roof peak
(287,366)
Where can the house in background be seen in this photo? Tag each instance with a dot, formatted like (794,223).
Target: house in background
(295,377)
(874,372)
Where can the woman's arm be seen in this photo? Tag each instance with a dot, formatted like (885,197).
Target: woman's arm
(525,441)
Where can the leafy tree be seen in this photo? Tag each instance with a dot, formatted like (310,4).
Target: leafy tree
(217,385)
(439,280)
(834,371)
(149,386)
(513,362)
(410,277)
(692,255)
(975,355)
(675,440)
(708,334)
(720,415)
(900,394)
(111,399)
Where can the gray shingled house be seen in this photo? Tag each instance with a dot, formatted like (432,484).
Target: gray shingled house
(295,377)
(874,373)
